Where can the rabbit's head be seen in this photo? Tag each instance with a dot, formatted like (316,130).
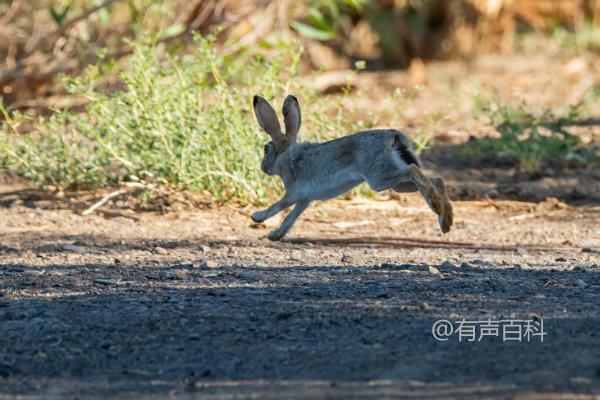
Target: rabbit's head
(267,118)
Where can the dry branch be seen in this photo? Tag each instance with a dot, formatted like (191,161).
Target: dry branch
(103,201)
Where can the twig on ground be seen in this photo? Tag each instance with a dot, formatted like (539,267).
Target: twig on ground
(103,201)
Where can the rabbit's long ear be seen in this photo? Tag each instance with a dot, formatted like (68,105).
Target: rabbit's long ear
(267,118)
(291,117)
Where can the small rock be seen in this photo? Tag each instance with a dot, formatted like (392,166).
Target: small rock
(347,259)
(581,283)
(103,281)
(579,268)
(481,261)
(285,315)
(521,250)
(35,272)
(216,292)
(73,248)
(492,193)
(433,270)
(447,266)
(418,267)
(467,266)
(169,275)
(208,264)
(194,336)
(560,259)
(587,250)
(246,275)
(105,344)
(204,248)
(181,274)
(426,307)
(160,250)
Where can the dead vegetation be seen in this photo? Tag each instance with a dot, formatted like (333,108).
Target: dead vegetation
(41,39)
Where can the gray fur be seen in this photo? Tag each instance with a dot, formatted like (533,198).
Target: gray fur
(321,171)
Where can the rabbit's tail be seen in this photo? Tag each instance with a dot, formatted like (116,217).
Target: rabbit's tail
(400,151)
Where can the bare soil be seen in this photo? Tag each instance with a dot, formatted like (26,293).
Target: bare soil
(201,304)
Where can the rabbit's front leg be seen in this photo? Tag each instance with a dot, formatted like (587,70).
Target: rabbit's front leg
(260,216)
(288,222)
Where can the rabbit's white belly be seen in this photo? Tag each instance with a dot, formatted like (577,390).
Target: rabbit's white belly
(329,184)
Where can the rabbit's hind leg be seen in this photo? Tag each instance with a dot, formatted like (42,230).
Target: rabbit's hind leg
(386,180)
(446,218)
(427,189)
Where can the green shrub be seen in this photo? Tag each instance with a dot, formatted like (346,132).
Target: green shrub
(184,121)
(531,140)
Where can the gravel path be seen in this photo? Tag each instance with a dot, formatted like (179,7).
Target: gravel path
(201,305)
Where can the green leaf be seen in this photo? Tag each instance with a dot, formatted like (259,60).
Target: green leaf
(173,30)
(356,4)
(59,17)
(318,20)
(311,32)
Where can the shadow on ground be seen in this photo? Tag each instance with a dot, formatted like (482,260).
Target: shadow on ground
(52,244)
(294,332)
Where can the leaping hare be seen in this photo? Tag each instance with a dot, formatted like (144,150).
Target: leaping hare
(320,171)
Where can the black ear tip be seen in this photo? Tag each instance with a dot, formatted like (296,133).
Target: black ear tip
(255,99)
(292,97)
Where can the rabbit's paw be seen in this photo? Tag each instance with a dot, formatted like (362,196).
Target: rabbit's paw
(258,216)
(275,235)
(446,218)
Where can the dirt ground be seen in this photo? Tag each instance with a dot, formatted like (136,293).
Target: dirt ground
(201,305)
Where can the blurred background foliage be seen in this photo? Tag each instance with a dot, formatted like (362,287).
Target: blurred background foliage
(100,92)
(40,39)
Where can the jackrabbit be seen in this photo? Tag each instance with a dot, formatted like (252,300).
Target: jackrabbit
(320,171)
